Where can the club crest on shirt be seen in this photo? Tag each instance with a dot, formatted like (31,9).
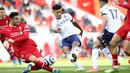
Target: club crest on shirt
(128,35)
(7,21)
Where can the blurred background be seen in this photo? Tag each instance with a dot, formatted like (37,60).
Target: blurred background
(38,15)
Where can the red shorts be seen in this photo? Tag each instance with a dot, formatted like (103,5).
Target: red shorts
(26,51)
(124,32)
(2,39)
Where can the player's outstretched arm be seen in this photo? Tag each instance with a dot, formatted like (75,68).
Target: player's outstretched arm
(23,37)
(127,6)
(78,26)
(104,22)
(56,30)
(2,32)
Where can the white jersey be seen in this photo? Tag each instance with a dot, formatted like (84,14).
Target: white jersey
(114,17)
(65,24)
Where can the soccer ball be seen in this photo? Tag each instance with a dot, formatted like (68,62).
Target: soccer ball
(49,60)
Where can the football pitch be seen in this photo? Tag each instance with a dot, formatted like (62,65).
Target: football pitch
(66,67)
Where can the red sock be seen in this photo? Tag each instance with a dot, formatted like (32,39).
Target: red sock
(42,65)
(11,54)
(115,59)
(10,51)
(13,57)
(34,68)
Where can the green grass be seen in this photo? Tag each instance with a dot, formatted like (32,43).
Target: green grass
(66,67)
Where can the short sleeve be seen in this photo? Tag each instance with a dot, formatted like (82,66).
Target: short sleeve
(103,11)
(53,24)
(122,16)
(2,32)
(25,27)
(70,17)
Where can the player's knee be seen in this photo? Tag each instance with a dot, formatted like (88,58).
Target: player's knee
(127,52)
(6,44)
(40,59)
(96,45)
(75,44)
(32,58)
(112,45)
(66,49)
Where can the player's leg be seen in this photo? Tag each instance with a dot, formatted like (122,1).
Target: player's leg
(74,46)
(75,49)
(10,50)
(117,38)
(113,49)
(75,43)
(95,54)
(37,55)
(75,53)
(127,47)
(39,64)
(106,52)
(66,47)
(127,44)
(101,42)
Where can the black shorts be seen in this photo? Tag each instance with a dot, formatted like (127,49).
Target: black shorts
(106,38)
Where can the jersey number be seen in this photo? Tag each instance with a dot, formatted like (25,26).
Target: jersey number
(113,13)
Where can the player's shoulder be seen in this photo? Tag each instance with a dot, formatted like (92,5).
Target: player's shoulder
(66,15)
(7,17)
(105,8)
(6,28)
(112,7)
(54,21)
(22,24)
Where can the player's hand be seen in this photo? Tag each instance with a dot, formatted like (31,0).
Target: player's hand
(57,30)
(100,35)
(11,40)
(81,33)
(116,2)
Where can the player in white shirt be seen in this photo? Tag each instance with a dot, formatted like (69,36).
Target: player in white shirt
(65,25)
(111,22)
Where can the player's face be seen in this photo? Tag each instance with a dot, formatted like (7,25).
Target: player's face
(16,20)
(101,4)
(2,13)
(57,13)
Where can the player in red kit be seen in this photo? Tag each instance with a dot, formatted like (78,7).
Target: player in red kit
(17,35)
(122,34)
(4,22)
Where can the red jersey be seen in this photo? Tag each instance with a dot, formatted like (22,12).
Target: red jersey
(127,6)
(4,22)
(20,34)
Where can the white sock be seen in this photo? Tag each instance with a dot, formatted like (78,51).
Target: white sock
(95,53)
(69,56)
(107,53)
(77,64)
(75,50)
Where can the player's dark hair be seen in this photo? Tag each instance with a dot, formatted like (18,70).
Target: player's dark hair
(2,8)
(13,14)
(56,7)
(104,1)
